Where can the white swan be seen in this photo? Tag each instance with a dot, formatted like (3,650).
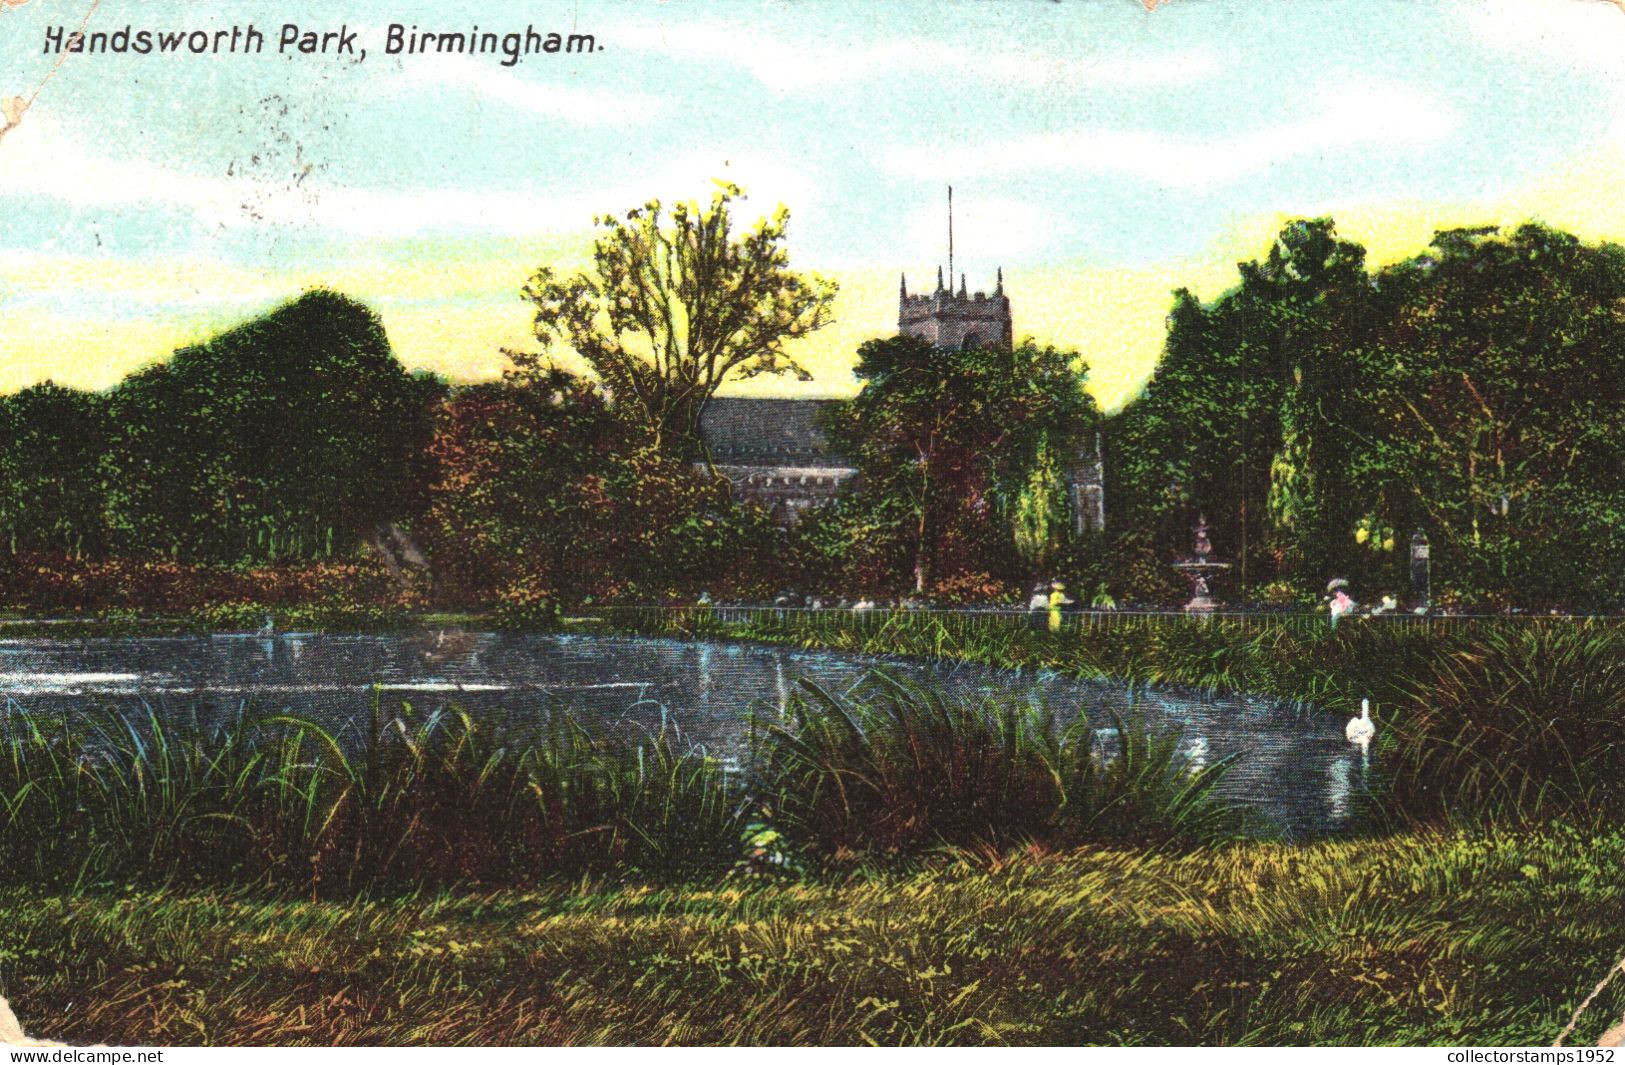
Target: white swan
(1361,729)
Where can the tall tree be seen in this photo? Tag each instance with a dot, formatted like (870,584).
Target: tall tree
(1310,296)
(290,436)
(1241,418)
(951,442)
(1491,391)
(675,304)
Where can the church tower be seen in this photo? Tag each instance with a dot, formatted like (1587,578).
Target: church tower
(960,320)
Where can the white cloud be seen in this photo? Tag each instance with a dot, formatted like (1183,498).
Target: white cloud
(1585,36)
(1584,32)
(40,160)
(1373,114)
(799,65)
(581,106)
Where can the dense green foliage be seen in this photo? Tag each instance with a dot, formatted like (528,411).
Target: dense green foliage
(295,447)
(1211,432)
(1318,413)
(53,444)
(961,454)
(288,438)
(544,492)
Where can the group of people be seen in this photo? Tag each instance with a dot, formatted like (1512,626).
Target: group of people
(1050,598)
(1340,602)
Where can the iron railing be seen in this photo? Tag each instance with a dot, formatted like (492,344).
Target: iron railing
(966,621)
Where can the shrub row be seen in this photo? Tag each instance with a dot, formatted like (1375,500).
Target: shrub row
(55,584)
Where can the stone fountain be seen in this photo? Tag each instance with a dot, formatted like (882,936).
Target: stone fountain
(1199,569)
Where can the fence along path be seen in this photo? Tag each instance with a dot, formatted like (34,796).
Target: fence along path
(964,621)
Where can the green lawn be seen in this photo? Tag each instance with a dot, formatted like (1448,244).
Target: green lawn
(1412,939)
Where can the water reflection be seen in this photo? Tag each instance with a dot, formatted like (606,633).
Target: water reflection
(1294,769)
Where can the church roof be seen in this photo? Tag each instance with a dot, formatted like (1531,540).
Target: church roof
(766,432)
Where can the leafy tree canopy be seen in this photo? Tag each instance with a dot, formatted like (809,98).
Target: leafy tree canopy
(676,303)
(947,442)
(291,435)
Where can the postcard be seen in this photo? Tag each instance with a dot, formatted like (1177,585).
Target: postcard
(813,523)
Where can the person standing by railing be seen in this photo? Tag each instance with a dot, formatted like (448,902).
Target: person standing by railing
(1057,599)
(1341,604)
(1038,604)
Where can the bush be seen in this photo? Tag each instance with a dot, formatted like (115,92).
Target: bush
(231,617)
(1518,723)
(969,589)
(902,769)
(527,606)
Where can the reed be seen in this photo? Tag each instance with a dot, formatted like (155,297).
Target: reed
(1292,657)
(255,799)
(900,769)
(1516,725)
(270,799)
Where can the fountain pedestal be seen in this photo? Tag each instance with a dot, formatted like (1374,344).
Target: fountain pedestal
(1199,569)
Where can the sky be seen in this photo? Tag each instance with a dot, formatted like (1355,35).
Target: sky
(1101,154)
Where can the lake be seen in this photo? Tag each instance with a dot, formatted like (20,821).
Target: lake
(1295,769)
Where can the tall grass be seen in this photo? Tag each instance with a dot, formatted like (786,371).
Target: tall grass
(276,800)
(900,769)
(1517,725)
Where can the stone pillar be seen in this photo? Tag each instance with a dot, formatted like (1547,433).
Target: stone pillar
(1421,582)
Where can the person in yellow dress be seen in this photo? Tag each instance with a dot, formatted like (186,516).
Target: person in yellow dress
(1057,599)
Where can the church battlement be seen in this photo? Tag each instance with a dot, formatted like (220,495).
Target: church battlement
(943,298)
(950,319)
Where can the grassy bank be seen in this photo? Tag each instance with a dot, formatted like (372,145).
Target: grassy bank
(1415,939)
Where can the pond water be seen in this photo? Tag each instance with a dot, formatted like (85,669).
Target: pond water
(1294,767)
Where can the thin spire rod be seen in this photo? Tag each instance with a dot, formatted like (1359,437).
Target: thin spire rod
(950,231)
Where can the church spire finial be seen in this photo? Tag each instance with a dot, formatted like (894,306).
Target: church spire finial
(998,290)
(950,234)
(939,279)
(902,286)
(961,286)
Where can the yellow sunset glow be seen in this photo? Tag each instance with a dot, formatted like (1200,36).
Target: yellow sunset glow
(455,315)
